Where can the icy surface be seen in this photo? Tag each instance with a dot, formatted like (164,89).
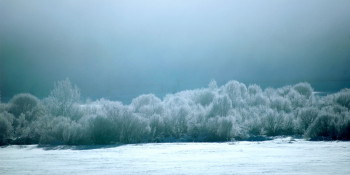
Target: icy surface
(280,156)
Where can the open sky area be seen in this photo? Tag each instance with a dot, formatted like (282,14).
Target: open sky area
(121,49)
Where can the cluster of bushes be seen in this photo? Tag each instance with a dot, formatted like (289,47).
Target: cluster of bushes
(232,111)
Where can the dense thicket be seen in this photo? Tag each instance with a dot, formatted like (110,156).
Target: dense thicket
(232,111)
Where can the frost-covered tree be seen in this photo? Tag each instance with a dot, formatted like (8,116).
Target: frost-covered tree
(273,123)
(343,98)
(62,99)
(236,92)
(27,111)
(220,106)
(104,131)
(6,129)
(224,130)
(306,117)
(25,104)
(147,104)
(304,89)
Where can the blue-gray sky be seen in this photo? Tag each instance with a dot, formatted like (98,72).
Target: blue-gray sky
(120,49)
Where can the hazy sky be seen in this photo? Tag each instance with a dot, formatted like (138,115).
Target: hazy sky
(120,49)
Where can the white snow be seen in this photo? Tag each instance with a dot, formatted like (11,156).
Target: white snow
(279,156)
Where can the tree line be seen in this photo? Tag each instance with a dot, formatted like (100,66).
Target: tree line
(233,111)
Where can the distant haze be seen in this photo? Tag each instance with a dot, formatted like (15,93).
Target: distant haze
(121,49)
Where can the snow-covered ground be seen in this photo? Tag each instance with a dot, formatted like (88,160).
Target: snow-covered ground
(279,156)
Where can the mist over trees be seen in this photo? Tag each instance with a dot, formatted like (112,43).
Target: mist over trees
(233,111)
